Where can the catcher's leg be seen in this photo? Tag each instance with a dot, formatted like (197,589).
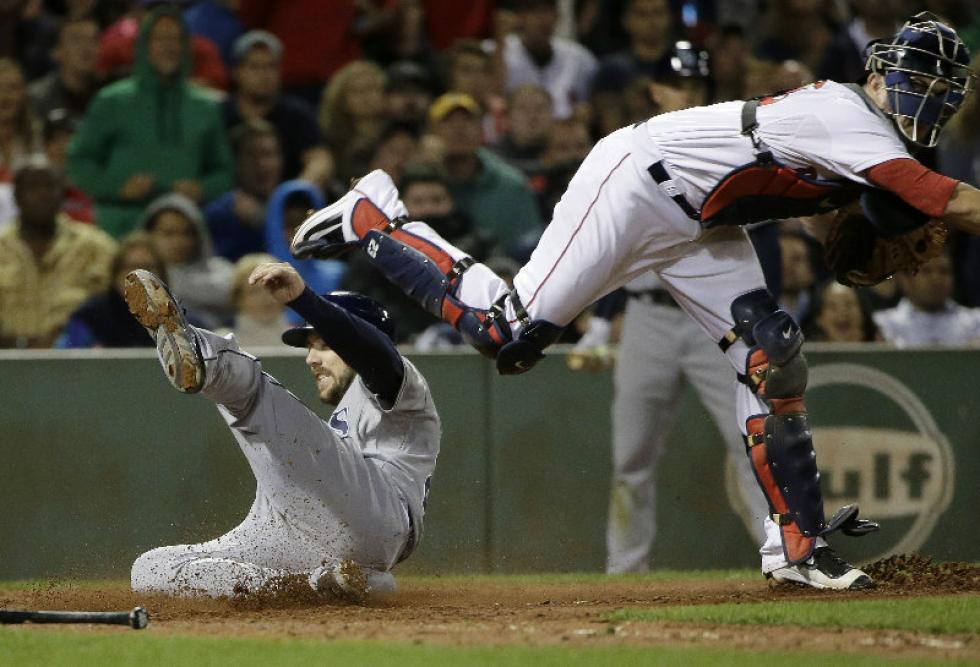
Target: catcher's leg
(445,281)
(780,446)
(719,283)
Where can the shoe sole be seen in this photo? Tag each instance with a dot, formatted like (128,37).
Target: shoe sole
(154,307)
(861,582)
(347,581)
(320,224)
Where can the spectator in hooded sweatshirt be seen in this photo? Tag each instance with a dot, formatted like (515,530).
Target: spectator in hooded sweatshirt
(288,206)
(150,133)
(200,280)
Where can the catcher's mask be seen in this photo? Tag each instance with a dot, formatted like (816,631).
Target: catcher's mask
(927,76)
(363,306)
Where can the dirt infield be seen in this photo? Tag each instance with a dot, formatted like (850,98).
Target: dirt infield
(484,611)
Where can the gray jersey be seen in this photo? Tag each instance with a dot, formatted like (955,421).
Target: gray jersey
(404,438)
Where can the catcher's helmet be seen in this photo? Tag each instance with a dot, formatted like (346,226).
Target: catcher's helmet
(927,75)
(364,307)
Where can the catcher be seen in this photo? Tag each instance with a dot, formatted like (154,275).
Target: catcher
(670,195)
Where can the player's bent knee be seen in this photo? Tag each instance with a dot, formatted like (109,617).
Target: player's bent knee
(780,338)
(775,365)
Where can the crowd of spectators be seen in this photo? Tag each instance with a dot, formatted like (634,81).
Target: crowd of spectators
(191,137)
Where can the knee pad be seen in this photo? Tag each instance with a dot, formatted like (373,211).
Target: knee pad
(775,367)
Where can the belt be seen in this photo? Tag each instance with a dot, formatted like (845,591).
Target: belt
(666,183)
(660,297)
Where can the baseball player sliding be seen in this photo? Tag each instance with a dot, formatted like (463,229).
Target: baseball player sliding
(669,195)
(338,500)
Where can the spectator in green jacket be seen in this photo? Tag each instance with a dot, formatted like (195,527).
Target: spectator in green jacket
(151,133)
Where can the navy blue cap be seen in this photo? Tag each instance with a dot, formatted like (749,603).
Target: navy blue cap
(363,306)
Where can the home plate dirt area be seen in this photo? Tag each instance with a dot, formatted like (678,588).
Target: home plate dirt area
(484,610)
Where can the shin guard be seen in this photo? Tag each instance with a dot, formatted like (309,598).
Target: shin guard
(763,438)
(780,445)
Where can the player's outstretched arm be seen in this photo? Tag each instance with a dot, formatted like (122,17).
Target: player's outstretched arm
(359,343)
(963,210)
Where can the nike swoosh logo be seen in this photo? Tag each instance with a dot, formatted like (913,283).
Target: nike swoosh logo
(787,333)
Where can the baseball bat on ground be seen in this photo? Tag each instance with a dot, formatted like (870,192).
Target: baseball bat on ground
(136,619)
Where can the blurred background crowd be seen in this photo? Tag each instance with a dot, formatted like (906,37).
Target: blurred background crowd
(191,138)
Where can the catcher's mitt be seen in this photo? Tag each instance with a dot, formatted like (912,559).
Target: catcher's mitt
(859,256)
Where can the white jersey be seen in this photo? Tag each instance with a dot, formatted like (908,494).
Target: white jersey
(405,437)
(825,126)
(905,325)
(567,76)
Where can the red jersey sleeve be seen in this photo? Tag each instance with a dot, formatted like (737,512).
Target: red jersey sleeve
(915,184)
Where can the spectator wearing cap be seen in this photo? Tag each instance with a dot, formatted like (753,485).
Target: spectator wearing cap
(75,79)
(151,133)
(493,194)
(216,21)
(409,90)
(534,55)
(258,95)
(237,218)
(118,45)
(49,264)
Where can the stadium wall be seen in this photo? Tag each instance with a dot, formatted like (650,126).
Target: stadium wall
(100,460)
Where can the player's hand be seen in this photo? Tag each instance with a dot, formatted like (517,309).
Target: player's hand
(136,187)
(282,281)
(591,359)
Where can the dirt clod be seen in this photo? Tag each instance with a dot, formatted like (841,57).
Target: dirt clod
(920,573)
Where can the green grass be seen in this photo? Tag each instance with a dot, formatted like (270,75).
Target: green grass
(941,615)
(21,647)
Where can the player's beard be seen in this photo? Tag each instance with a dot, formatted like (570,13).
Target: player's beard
(335,390)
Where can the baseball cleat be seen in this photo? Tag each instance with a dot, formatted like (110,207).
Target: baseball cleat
(153,306)
(340,227)
(824,569)
(348,581)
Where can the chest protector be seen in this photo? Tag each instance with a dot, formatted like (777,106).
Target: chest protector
(765,189)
